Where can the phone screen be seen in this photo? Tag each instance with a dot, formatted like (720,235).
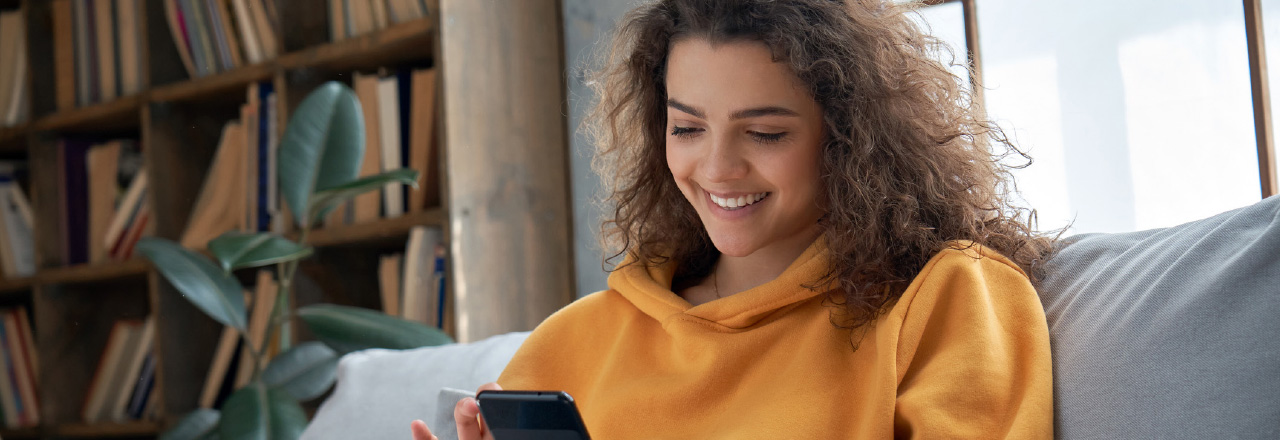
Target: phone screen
(529,415)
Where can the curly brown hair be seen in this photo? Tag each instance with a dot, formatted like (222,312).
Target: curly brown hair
(910,163)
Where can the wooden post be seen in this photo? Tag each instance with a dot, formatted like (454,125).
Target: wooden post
(1261,96)
(506,148)
(971,43)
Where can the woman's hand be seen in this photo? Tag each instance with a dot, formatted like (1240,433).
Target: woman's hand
(466,414)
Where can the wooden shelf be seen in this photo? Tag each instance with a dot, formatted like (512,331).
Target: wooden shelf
(403,41)
(233,81)
(20,433)
(95,272)
(12,138)
(107,116)
(16,284)
(108,429)
(384,229)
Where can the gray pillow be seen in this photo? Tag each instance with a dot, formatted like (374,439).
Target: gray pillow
(379,392)
(1169,333)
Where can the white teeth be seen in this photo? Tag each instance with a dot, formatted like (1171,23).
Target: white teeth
(737,203)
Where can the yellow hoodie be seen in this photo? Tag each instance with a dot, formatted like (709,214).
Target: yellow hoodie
(963,354)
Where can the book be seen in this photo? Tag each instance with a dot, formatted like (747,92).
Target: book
(222,357)
(142,389)
(76,206)
(108,363)
(178,30)
(17,248)
(259,320)
(103,165)
(126,211)
(104,33)
(64,54)
(258,12)
(83,60)
(10,21)
(13,72)
(13,408)
(248,35)
(337,20)
(389,274)
(368,206)
(28,342)
(130,53)
(219,206)
(420,293)
(118,407)
(18,354)
(117,379)
(389,131)
(422,154)
(218,34)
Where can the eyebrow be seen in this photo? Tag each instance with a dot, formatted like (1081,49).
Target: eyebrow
(740,114)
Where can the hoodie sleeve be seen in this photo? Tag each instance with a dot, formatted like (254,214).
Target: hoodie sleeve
(973,356)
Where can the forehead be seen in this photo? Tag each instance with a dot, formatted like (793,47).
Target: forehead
(722,77)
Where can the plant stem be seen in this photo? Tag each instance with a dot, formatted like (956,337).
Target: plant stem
(285,271)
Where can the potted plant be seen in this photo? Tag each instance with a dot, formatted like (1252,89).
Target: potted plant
(319,162)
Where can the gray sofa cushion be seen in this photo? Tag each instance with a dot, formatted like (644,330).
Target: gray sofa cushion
(1169,333)
(379,392)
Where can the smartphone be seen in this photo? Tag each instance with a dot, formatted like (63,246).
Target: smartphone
(528,415)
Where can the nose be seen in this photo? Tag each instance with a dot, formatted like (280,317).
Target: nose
(724,160)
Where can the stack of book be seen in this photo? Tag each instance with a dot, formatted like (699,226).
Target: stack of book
(13,69)
(412,284)
(97,50)
(102,193)
(350,18)
(240,191)
(17,246)
(123,386)
(399,121)
(19,372)
(218,35)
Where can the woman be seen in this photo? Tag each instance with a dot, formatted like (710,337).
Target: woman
(817,235)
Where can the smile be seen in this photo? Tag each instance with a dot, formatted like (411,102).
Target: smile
(732,204)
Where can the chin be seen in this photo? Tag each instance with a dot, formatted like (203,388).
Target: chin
(734,247)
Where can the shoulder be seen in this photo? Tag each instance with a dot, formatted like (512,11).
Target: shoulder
(587,312)
(973,275)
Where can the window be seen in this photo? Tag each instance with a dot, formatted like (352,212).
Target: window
(1138,114)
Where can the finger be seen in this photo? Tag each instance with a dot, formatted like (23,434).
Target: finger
(420,431)
(484,427)
(465,416)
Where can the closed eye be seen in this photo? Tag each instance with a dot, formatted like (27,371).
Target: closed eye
(684,132)
(768,138)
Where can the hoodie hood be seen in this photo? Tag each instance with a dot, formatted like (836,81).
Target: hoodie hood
(649,289)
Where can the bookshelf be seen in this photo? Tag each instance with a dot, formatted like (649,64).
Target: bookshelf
(178,120)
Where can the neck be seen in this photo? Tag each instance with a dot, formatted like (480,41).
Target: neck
(738,274)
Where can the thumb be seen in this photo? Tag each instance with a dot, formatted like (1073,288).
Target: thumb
(466,414)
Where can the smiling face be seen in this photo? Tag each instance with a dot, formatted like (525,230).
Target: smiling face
(743,142)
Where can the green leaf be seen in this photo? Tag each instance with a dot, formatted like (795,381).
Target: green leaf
(349,329)
(322,147)
(261,413)
(235,250)
(215,292)
(305,371)
(324,201)
(201,424)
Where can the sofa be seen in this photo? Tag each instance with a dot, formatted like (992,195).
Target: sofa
(1165,333)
